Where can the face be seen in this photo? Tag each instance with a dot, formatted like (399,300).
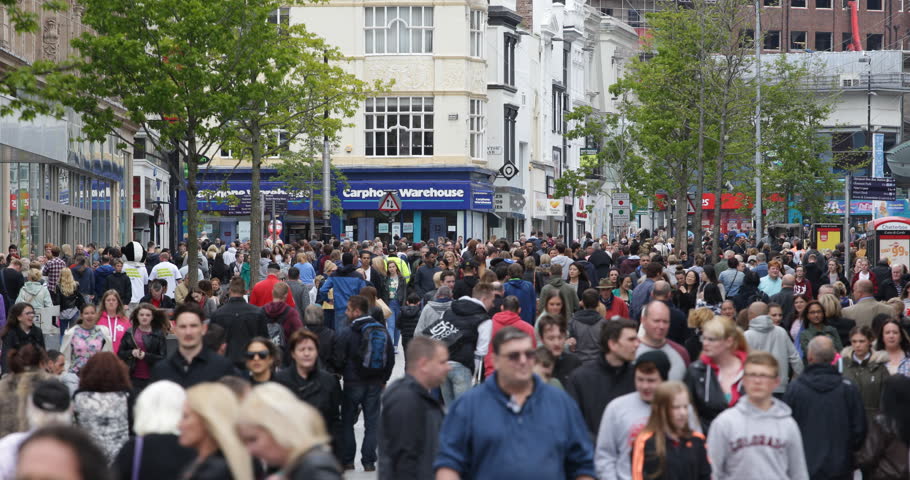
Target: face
(714,346)
(515,361)
(554,339)
(799,304)
(800,273)
(680,278)
(118,267)
(691,278)
(832,266)
(614,276)
(891,336)
(759,381)
(27,318)
(261,444)
(48,459)
(815,314)
(393,269)
(646,383)
(774,271)
(679,411)
(554,306)
(189,330)
(862,265)
(58,365)
(216,284)
(258,358)
(437,368)
(626,346)
(192,429)
(573,271)
(896,273)
(198,296)
(111,303)
(776,314)
(365,260)
(305,354)
(89,317)
(728,309)
(449,281)
(543,371)
(860,344)
(144,316)
(657,323)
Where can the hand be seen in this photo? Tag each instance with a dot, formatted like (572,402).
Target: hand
(571,344)
(136,353)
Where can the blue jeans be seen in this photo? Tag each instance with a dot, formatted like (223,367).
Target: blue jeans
(367,397)
(394,332)
(458,381)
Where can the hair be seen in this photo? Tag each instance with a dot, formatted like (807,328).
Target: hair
(766,359)
(880,334)
(831,305)
(712,294)
(483,290)
(590,298)
(546,321)
(293,424)
(893,407)
(189,307)
(863,330)
(37,418)
(67,283)
(660,423)
(612,330)
(12,318)
(239,386)
(159,318)
(218,408)
(158,408)
(723,327)
(698,317)
(804,315)
(34,275)
(79,443)
(313,315)
(369,293)
(422,348)
(821,351)
(544,357)
(545,296)
(280,291)
(105,372)
(274,351)
(300,335)
(237,287)
(507,334)
(27,357)
(511,304)
(121,311)
(215,337)
(361,303)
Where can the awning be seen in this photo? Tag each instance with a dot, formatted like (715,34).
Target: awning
(898,158)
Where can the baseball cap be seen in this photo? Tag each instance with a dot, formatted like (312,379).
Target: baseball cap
(659,359)
(51,396)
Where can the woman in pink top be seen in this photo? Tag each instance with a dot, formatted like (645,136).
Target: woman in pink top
(113,316)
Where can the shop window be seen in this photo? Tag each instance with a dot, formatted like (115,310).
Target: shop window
(476,122)
(226,153)
(824,41)
(771,40)
(398,30)
(399,126)
(747,38)
(798,41)
(477,27)
(874,41)
(771,3)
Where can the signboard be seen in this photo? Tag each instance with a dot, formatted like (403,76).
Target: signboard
(482,201)
(396,230)
(408,227)
(896,248)
(869,188)
(390,202)
(501,202)
(383,227)
(620,220)
(827,237)
(243,230)
(621,200)
(878,155)
(690,207)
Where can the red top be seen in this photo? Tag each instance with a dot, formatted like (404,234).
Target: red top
(505,319)
(262,292)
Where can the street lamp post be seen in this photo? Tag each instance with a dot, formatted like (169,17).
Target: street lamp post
(758,193)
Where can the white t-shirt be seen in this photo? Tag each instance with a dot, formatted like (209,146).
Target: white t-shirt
(168,272)
(139,278)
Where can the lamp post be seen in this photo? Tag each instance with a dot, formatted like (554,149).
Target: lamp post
(758,80)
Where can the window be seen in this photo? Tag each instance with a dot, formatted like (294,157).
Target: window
(280,16)
(846,39)
(508,56)
(873,5)
(747,38)
(772,40)
(798,3)
(477,33)
(550,181)
(278,144)
(822,3)
(226,153)
(508,134)
(397,30)
(771,3)
(824,41)
(559,107)
(798,41)
(874,41)
(566,59)
(634,20)
(139,148)
(476,128)
(399,126)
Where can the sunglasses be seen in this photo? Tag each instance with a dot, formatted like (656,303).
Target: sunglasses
(516,356)
(262,354)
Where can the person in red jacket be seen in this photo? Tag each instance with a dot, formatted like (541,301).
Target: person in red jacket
(262,291)
(510,316)
(611,305)
(862,272)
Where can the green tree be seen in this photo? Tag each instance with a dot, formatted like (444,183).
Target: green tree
(301,172)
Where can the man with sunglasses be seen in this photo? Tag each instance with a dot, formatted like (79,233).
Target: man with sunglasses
(514,425)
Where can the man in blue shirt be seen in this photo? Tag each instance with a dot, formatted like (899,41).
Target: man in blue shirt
(514,425)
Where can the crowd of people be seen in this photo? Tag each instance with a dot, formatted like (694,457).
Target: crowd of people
(535,358)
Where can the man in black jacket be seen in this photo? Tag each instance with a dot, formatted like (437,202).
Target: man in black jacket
(412,418)
(464,286)
(241,322)
(192,363)
(595,384)
(13,280)
(601,261)
(423,277)
(829,412)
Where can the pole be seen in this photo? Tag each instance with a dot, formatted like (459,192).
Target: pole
(273,224)
(326,181)
(759,233)
(847,225)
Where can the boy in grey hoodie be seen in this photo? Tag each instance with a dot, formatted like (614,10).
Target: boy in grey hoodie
(757,438)
(765,336)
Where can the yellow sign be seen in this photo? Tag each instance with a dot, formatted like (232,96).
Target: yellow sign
(827,237)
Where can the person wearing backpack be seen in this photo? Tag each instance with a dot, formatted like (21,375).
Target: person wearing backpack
(283,320)
(365,357)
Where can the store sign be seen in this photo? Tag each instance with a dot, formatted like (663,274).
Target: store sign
(482,201)
(501,202)
(237,199)
(899,208)
(555,207)
(454,195)
(896,248)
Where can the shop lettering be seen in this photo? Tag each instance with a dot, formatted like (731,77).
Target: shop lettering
(413,193)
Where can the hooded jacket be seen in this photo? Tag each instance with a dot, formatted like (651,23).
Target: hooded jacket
(101,275)
(527,297)
(707,395)
(764,335)
(585,327)
(747,442)
(869,376)
(120,282)
(465,286)
(830,415)
(287,316)
(408,319)
(85,277)
(344,283)
(35,295)
(502,319)
(465,315)
(433,311)
(595,384)
(566,292)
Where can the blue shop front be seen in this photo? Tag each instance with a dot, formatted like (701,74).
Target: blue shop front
(440,202)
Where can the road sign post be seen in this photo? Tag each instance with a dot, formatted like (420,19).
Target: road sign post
(390,205)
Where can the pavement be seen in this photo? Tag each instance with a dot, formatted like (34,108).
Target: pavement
(359,474)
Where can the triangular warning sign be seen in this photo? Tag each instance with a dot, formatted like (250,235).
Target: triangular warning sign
(390,203)
(690,207)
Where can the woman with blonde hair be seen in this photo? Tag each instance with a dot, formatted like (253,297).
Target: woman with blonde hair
(207,426)
(286,433)
(715,379)
(834,317)
(697,318)
(69,298)
(33,292)
(667,448)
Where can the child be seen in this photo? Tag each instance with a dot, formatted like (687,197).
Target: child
(407,322)
(543,367)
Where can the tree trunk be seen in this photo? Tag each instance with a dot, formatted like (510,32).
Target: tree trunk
(256,231)
(682,226)
(719,179)
(192,211)
(311,199)
(700,155)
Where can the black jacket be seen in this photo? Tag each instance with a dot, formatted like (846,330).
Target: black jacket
(602,263)
(890,289)
(378,281)
(409,426)
(166,301)
(747,296)
(213,467)
(831,418)
(422,279)
(17,338)
(326,345)
(121,283)
(347,356)
(155,348)
(686,460)
(679,324)
(323,392)
(464,287)
(784,298)
(407,322)
(161,457)
(241,322)
(707,396)
(74,300)
(315,464)
(14,282)
(597,383)
(466,316)
(208,366)
(564,366)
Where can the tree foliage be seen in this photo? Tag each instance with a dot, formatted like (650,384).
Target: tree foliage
(301,173)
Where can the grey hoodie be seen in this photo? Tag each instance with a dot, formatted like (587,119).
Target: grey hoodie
(585,328)
(764,335)
(746,442)
(432,312)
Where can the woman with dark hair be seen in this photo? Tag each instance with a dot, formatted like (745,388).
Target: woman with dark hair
(578,278)
(884,453)
(686,294)
(893,340)
(144,344)
(262,359)
(101,406)
(749,292)
(625,288)
(814,324)
(25,364)
(865,368)
(709,277)
(312,384)
(66,444)
(20,330)
(85,339)
(711,298)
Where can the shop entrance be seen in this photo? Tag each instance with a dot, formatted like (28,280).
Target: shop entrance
(366,228)
(437,228)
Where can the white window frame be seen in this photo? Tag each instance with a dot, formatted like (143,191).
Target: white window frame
(281,16)
(477,24)
(280,135)
(395,24)
(226,153)
(385,116)
(476,127)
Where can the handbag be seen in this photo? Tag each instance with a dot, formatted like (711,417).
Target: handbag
(386,311)
(137,458)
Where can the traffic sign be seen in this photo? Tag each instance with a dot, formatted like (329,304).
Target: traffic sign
(621,200)
(690,207)
(870,188)
(390,202)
